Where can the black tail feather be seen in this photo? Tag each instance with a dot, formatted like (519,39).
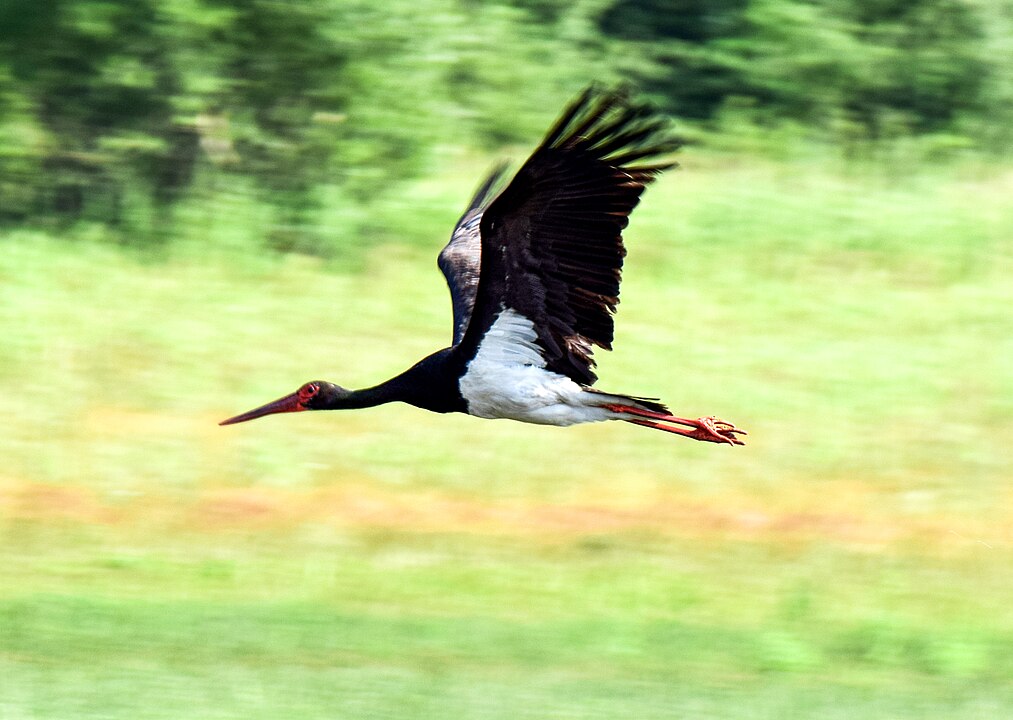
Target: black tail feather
(652,404)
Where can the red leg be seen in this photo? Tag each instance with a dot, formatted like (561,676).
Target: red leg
(654,415)
(707,429)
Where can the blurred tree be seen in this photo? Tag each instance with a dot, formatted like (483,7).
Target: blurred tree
(277,99)
(930,65)
(917,62)
(126,94)
(684,39)
(99,82)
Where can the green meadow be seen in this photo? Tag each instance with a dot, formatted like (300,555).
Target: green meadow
(851,561)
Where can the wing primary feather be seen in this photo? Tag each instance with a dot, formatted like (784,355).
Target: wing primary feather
(568,115)
(594,114)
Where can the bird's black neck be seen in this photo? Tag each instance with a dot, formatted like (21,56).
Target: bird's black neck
(381,394)
(431,384)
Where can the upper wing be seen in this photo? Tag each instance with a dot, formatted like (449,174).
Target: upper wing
(461,259)
(551,242)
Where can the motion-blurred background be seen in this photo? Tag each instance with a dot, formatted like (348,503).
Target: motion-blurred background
(205,203)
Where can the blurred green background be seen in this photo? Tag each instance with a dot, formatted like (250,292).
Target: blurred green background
(205,203)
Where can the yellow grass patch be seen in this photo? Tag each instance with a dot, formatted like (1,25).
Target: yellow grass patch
(365,508)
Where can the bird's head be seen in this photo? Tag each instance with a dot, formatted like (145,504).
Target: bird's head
(316,395)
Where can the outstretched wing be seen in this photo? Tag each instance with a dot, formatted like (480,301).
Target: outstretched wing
(461,259)
(551,242)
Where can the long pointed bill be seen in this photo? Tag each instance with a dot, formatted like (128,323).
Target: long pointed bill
(289,403)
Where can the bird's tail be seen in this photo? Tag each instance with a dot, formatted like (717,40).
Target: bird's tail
(633,402)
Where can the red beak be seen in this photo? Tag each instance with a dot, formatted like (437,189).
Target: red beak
(289,403)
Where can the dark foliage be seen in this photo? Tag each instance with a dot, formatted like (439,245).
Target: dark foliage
(110,112)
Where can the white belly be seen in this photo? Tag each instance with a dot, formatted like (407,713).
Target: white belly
(507,379)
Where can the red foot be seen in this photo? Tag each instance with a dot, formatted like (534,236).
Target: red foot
(706,429)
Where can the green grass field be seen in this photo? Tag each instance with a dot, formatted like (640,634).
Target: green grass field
(852,561)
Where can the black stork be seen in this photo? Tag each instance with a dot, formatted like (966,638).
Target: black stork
(534,278)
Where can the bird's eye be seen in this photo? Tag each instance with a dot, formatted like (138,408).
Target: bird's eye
(308,391)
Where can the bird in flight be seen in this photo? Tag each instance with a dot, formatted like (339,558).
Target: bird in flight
(534,274)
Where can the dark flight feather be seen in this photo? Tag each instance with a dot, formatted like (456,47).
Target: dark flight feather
(461,258)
